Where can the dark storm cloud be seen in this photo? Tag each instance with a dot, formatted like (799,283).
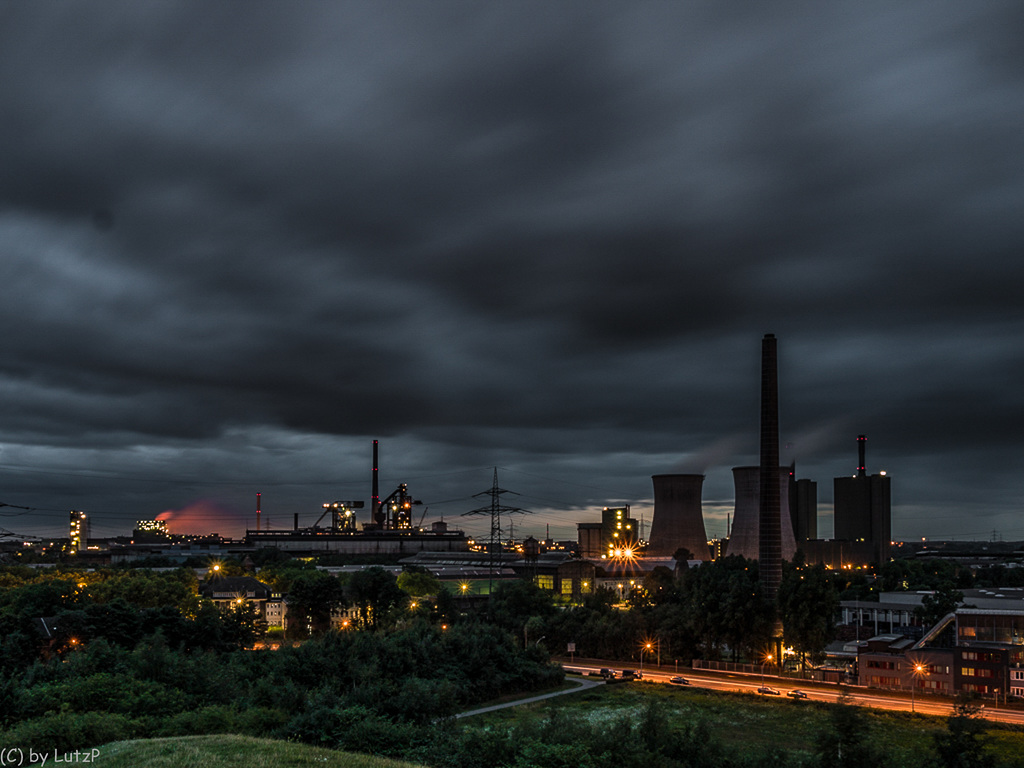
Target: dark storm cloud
(237,243)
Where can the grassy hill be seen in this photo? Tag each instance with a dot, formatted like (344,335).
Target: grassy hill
(229,752)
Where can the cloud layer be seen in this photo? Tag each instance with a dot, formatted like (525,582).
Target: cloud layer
(236,244)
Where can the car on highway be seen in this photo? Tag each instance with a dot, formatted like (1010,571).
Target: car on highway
(797,694)
(608,674)
(632,674)
(679,681)
(767,690)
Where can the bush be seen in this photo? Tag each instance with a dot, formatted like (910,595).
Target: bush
(106,693)
(66,732)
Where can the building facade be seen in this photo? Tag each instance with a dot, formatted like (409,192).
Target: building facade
(863,509)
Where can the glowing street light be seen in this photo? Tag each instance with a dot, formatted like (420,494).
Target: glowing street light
(918,670)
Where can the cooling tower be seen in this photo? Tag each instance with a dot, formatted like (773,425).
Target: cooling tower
(746,527)
(678,520)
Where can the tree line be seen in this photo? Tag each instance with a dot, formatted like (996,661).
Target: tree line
(715,611)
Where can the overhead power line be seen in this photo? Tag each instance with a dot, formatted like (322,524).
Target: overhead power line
(494,509)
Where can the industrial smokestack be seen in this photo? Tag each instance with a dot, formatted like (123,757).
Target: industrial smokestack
(258,510)
(861,445)
(769,518)
(296,522)
(678,520)
(378,518)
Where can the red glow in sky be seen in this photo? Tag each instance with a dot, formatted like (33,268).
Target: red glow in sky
(199,518)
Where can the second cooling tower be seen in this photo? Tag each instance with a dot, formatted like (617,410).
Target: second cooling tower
(678,519)
(744,538)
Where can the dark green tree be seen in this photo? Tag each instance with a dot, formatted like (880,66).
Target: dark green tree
(145,589)
(374,592)
(846,743)
(944,600)
(807,601)
(312,597)
(44,598)
(244,624)
(724,606)
(660,585)
(962,744)
(280,575)
(418,583)
(515,602)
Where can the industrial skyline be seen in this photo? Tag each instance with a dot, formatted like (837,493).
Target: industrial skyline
(239,244)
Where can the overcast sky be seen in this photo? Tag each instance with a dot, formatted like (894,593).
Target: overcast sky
(241,240)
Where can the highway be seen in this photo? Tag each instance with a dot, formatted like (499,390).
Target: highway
(816,691)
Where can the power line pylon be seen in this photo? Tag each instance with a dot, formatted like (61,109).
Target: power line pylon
(495,510)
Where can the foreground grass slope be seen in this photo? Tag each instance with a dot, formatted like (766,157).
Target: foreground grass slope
(230,752)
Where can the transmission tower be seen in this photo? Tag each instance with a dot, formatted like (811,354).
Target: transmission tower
(495,510)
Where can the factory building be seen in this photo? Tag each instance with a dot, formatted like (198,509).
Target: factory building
(389,531)
(306,542)
(803,508)
(620,533)
(150,532)
(78,532)
(863,509)
(617,535)
(978,651)
(589,538)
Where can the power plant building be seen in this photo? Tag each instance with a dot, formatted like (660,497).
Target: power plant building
(617,535)
(620,533)
(803,508)
(78,534)
(589,538)
(863,508)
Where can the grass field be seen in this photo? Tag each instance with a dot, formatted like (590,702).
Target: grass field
(751,724)
(227,752)
(744,725)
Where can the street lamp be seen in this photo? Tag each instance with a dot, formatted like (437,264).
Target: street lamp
(644,647)
(918,669)
(766,660)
